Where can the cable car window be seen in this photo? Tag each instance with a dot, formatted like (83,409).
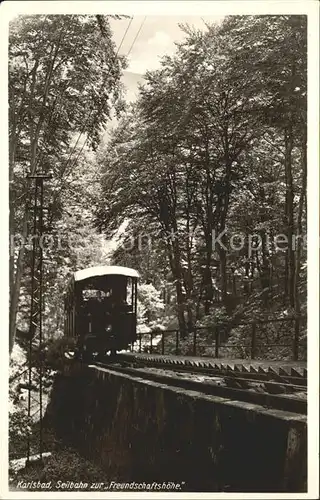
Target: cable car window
(96,294)
(129,293)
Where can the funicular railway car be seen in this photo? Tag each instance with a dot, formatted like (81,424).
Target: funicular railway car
(101,310)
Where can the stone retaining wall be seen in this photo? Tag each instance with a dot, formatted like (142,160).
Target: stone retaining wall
(145,431)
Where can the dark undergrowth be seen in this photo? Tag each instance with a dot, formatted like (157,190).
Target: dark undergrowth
(63,470)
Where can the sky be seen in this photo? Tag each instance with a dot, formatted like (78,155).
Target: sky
(157,38)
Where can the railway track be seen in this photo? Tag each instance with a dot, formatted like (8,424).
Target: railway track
(263,388)
(243,370)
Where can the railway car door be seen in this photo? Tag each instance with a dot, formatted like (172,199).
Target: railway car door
(131,309)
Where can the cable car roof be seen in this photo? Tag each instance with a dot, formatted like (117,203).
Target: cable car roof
(91,272)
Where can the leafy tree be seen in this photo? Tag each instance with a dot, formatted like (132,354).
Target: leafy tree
(64,77)
(217,143)
(269,56)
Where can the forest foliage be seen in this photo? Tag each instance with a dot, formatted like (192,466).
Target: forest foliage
(64,83)
(214,145)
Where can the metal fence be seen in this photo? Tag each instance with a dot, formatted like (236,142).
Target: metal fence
(259,339)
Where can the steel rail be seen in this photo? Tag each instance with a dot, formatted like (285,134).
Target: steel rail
(282,402)
(263,375)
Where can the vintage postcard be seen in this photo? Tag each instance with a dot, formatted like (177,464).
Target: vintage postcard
(160,228)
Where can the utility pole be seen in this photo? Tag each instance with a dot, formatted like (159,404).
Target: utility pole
(36,310)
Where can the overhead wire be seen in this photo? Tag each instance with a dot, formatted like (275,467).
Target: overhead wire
(51,115)
(125,33)
(53,109)
(89,115)
(135,38)
(83,128)
(128,53)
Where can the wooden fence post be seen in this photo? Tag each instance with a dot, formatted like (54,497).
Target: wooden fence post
(216,353)
(177,342)
(194,342)
(296,339)
(253,340)
(151,338)
(162,343)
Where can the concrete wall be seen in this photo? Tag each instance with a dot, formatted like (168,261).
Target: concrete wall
(146,431)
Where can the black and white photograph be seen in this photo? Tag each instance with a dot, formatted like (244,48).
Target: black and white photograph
(160,249)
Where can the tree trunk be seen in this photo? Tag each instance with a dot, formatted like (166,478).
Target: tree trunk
(15,291)
(208,224)
(180,296)
(34,132)
(222,248)
(289,213)
(298,245)
(207,277)
(173,252)
(264,270)
(188,278)
(223,275)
